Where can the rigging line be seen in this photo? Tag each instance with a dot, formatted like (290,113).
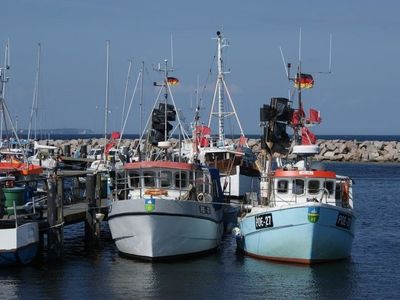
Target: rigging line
(206,82)
(126,91)
(129,108)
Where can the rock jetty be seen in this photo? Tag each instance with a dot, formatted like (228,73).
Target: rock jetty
(330,150)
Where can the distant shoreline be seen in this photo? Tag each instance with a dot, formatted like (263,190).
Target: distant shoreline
(349,137)
(330,150)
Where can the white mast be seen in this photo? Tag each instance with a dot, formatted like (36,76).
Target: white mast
(220,89)
(126,92)
(3,80)
(141,100)
(34,110)
(107,91)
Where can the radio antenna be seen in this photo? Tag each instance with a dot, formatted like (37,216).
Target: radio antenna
(284,63)
(172,52)
(330,53)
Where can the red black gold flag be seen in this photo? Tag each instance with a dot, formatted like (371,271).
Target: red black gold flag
(172,80)
(306,81)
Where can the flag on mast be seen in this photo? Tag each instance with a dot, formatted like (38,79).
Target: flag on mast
(304,81)
(315,116)
(172,80)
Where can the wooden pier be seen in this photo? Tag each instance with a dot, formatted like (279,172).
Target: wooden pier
(86,201)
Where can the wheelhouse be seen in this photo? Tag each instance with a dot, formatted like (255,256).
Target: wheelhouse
(293,187)
(174,180)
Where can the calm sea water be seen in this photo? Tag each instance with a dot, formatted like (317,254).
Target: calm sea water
(371,273)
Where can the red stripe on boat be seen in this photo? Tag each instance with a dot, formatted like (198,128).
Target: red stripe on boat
(158,164)
(306,174)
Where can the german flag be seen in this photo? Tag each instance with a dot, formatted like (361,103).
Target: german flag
(172,80)
(304,81)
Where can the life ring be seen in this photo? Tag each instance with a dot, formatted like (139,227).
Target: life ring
(201,197)
(156,192)
(345,193)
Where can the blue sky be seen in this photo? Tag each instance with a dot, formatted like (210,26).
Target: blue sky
(359,97)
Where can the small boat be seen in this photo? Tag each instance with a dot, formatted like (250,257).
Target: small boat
(20,167)
(43,156)
(305,214)
(19,242)
(19,236)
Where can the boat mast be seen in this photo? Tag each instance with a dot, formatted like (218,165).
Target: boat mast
(220,90)
(34,110)
(126,93)
(107,91)
(141,101)
(3,80)
(221,128)
(300,104)
(165,100)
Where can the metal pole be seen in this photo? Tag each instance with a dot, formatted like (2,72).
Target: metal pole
(107,91)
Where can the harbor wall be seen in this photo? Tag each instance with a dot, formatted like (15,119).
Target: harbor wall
(330,150)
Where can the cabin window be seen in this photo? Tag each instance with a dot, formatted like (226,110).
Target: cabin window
(329,185)
(181,180)
(149,179)
(206,184)
(135,179)
(313,186)
(202,183)
(165,179)
(282,186)
(298,186)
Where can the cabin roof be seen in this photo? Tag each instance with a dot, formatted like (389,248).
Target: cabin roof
(158,164)
(304,173)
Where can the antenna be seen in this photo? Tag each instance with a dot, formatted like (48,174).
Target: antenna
(300,46)
(329,59)
(284,63)
(172,52)
(330,54)
(107,90)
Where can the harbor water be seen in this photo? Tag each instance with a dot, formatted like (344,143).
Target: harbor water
(372,272)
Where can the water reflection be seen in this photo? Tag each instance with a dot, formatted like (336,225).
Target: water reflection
(227,274)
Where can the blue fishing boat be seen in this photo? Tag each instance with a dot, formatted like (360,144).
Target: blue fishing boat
(305,213)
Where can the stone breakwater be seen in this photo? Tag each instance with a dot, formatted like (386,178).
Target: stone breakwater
(330,150)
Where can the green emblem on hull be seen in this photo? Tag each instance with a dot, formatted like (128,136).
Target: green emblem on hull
(313,214)
(149,204)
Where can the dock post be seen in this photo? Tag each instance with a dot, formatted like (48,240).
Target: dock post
(67,150)
(76,189)
(92,226)
(54,211)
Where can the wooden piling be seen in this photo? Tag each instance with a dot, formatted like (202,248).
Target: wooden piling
(55,236)
(92,225)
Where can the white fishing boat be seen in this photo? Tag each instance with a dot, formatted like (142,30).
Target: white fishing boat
(166,207)
(19,243)
(236,161)
(172,209)
(305,214)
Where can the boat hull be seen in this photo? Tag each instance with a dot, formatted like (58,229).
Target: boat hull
(173,228)
(308,233)
(19,245)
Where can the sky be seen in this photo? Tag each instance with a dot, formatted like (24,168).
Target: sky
(359,96)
